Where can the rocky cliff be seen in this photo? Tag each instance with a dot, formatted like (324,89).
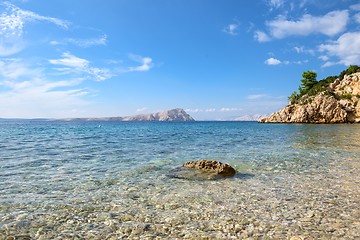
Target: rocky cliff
(338,103)
(177,114)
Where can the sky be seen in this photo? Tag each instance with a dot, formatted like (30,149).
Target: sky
(218,60)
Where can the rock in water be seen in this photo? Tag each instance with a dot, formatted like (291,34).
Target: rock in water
(212,167)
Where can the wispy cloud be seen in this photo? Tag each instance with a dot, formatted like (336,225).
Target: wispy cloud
(199,110)
(146,63)
(232,29)
(27,92)
(13,19)
(84,43)
(79,66)
(302,49)
(261,36)
(12,22)
(15,69)
(227,109)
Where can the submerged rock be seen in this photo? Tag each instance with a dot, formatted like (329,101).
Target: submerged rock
(216,167)
(203,170)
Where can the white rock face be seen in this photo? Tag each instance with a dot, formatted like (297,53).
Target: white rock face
(325,108)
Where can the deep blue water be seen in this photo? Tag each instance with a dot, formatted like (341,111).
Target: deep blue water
(55,162)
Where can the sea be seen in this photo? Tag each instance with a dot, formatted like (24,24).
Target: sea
(115,180)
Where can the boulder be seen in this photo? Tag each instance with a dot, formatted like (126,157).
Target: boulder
(203,170)
(213,167)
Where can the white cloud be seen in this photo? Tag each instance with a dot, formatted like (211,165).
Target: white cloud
(84,43)
(346,48)
(12,23)
(232,29)
(261,36)
(272,61)
(330,24)
(146,64)
(80,66)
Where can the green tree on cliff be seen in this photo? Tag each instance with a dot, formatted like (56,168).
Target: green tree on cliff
(310,86)
(308,81)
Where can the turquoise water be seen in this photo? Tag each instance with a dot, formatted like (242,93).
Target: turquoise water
(104,179)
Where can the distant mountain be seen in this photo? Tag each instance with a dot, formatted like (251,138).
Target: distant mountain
(178,115)
(174,115)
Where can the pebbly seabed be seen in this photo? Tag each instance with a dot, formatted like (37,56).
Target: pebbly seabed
(81,181)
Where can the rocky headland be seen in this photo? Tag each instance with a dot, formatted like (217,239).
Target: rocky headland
(332,100)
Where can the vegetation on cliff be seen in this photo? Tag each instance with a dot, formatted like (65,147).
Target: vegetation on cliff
(310,86)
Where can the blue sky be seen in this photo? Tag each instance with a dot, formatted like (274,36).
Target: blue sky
(216,59)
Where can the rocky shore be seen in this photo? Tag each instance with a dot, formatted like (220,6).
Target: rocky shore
(337,103)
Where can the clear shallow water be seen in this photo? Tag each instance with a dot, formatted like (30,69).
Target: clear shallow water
(110,180)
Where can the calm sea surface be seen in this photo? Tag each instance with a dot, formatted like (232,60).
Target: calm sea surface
(110,180)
